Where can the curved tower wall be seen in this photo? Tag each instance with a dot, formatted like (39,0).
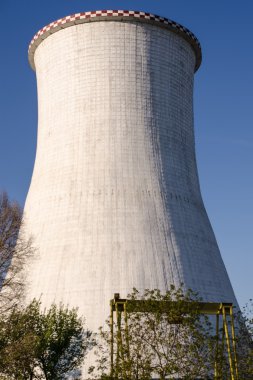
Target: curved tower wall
(114,201)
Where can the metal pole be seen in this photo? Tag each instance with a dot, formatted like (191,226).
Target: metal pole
(118,328)
(120,350)
(127,330)
(228,343)
(111,326)
(234,341)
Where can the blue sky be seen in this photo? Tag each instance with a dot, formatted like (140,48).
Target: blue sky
(223,109)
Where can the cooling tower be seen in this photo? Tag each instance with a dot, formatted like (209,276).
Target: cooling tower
(114,201)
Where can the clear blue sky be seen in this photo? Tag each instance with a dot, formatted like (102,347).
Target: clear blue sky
(223,109)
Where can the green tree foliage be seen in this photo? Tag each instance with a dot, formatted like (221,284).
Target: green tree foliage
(159,341)
(62,342)
(244,341)
(18,343)
(48,345)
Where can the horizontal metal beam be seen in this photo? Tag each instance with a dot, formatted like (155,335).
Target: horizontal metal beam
(209,308)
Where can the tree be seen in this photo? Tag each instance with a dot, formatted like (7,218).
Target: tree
(244,340)
(159,341)
(62,342)
(18,343)
(48,345)
(15,251)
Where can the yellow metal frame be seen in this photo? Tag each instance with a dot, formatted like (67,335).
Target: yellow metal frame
(224,310)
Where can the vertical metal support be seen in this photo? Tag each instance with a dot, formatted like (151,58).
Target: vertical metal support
(118,332)
(126,330)
(120,347)
(228,343)
(234,340)
(112,332)
(216,369)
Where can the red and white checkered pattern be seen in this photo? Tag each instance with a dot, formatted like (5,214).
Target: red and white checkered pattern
(83,17)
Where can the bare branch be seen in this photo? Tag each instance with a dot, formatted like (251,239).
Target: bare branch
(15,252)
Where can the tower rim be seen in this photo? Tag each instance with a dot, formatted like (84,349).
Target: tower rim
(114,15)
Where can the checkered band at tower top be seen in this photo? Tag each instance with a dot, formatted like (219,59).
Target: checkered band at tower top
(114,201)
(119,15)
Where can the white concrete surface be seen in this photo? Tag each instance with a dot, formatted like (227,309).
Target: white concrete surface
(114,201)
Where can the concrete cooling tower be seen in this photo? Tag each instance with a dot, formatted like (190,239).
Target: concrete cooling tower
(114,202)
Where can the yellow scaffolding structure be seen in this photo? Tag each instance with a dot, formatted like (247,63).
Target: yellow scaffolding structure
(225,335)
